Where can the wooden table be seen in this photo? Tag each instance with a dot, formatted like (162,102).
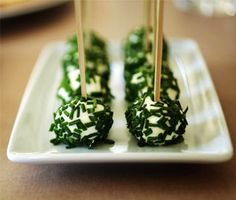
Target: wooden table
(21,41)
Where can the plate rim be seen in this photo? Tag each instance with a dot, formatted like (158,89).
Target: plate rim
(170,157)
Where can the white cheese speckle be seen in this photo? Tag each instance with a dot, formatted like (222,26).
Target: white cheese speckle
(63,93)
(171,93)
(137,78)
(93,86)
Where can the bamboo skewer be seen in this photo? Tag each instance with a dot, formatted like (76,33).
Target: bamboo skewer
(79,29)
(88,17)
(158,39)
(147,21)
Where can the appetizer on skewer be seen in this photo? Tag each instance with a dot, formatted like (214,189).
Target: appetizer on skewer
(154,118)
(82,120)
(97,66)
(139,63)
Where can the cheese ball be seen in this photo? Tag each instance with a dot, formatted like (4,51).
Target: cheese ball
(96,87)
(135,42)
(81,122)
(156,123)
(141,81)
(96,56)
(138,84)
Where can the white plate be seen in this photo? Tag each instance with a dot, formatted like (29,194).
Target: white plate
(206,140)
(26,7)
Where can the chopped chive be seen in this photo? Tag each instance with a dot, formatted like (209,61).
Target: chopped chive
(99,112)
(52,127)
(89,124)
(66,113)
(72,113)
(90,110)
(83,108)
(77,121)
(78,112)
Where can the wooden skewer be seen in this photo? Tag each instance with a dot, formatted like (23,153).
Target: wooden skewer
(147,21)
(158,39)
(79,29)
(88,17)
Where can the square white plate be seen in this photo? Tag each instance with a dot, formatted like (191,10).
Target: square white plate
(206,140)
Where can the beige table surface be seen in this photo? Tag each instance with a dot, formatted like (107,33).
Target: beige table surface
(21,41)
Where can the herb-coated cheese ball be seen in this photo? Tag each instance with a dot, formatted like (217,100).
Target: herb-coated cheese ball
(81,122)
(141,81)
(96,56)
(133,64)
(96,87)
(156,123)
(135,42)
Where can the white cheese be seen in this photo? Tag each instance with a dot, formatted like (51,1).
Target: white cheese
(93,86)
(73,77)
(171,93)
(64,94)
(133,39)
(137,78)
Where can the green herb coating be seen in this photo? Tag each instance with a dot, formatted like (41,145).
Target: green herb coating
(141,81)
(85,129)
(96,56)
(135,43)
(156,123)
